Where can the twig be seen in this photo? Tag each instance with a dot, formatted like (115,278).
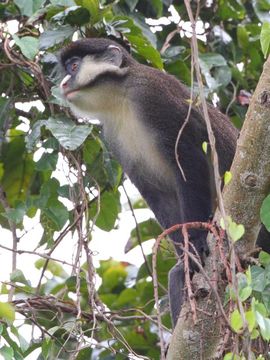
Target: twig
(138,234)
(168,39)
(212,140)
(187,275)
(184,125)
(44,256)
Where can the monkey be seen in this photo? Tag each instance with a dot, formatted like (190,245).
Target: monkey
(141,110)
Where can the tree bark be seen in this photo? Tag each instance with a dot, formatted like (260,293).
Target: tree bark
(243,197)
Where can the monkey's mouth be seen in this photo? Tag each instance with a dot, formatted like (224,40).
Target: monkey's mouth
(69,94)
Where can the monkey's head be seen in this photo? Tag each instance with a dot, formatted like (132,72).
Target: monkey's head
(93,68)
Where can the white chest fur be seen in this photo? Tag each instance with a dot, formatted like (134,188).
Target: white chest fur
(135,144)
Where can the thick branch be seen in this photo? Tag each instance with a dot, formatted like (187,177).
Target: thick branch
(250,184)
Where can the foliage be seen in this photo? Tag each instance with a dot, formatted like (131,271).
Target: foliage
(64,307)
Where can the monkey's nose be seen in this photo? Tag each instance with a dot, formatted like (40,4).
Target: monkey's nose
(64,82)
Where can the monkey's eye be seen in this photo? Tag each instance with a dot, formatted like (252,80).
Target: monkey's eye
(72,65)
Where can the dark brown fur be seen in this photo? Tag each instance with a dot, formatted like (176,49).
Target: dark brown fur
(160,103)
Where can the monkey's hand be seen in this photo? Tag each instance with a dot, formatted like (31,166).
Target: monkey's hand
(199,247)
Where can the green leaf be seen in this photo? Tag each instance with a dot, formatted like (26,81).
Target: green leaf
(23,343)
(254,334)
(12,343)
(264,325)
(259,307)
(113,170)
(54,267)
(50,38)
(57,213)
(244,288)
(67,191)
(258,278)
(145,49)
(65,3)
(227,177)
(32,138)
(19,168)
(70,135)
(74,15)
(7,312)
(85,354)
(140,204)
(126,298)
(265,212)
(181,70)
(265,38)
(1,170)
(261,12)
(92,6)
(245,293)
(158,6)
(139,42)
(215,70)
(231,9)
(264,258)
(7,352)
(242,37)
(109,210)
(172,53)
(132,4)
(266,292)
(57,97)
(49,189)
(28,45)
(236,231)
(236,321)
(165,261)
(264,4)
(205,146)
(4,110)
(91,150)
(248,276)
(114,277)
(71,284)
(47,162)
(251,319)
(16,214)
(148,229)
(231,356)
(17,276)
(28,7)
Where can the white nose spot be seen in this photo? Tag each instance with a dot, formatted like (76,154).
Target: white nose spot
(64,81)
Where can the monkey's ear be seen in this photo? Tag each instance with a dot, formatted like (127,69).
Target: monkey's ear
(114,55)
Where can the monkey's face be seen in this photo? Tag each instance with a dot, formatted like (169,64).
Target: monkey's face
(92,74)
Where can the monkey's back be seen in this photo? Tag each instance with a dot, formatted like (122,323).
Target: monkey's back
(163,103)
